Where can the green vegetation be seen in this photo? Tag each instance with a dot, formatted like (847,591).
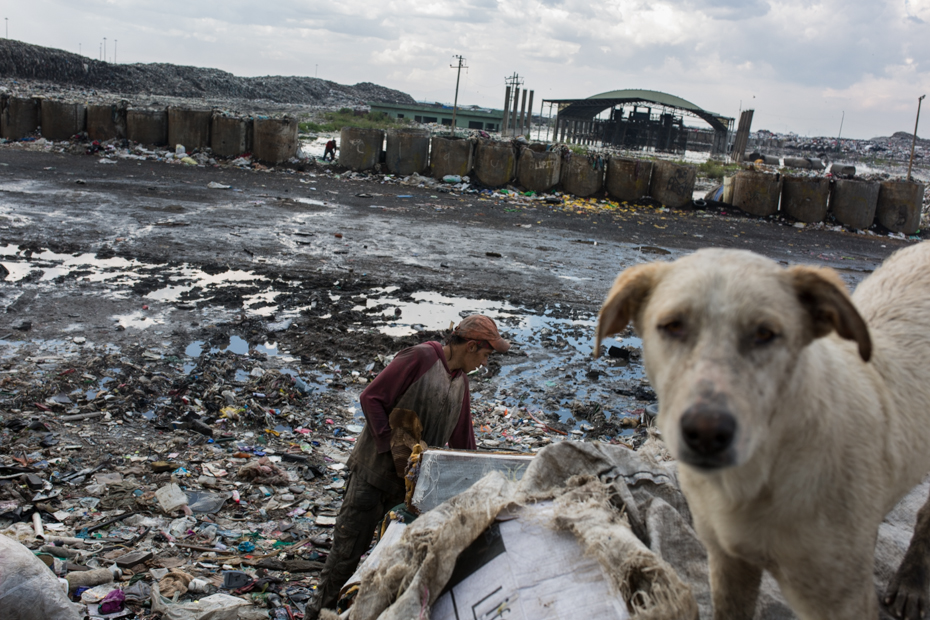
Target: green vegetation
(713,169)
(334,121)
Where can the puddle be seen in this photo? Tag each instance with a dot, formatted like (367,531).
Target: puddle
(431,311)
(310,201)
(557,368)
(237,345)
(180,280)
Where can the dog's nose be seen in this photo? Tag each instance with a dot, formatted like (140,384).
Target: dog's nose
(708,432)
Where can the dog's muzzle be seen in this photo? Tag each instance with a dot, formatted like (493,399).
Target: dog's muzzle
(707,435)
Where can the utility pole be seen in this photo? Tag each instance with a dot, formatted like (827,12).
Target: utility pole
(104,49)
(458,75)
(115,43)
(914,141)
(513,84)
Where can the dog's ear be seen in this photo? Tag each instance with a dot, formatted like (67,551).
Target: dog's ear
(824,296)
(625,299)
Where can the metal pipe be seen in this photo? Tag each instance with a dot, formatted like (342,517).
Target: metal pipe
(914,141)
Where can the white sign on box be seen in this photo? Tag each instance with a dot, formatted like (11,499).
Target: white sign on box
(521,569)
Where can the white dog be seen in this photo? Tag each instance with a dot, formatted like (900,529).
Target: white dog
(799,418)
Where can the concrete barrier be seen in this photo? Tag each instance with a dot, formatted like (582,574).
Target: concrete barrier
(494,163)
(190,128)
(798,162)
(450,155)
(230,136)
(853,202)
(360,149)
(61,120)
(672,184)
(19,117)
(756,193)
(805,198)
(274,139)
(538,169)
(842,170)
(628,179)
(899,204)
(106,121)
(580,177)
(407,151)
(147,126)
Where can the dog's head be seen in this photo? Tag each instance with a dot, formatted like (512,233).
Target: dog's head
(722,333)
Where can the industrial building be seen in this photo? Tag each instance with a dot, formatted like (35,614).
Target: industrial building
(465,117)
(639,119)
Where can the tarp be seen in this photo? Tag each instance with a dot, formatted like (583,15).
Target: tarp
(28,589)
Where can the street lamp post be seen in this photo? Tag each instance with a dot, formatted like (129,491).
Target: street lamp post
(115,43)
(104,49)
(914,141)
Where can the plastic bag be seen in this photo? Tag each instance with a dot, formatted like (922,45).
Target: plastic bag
(214,607)
(28,589)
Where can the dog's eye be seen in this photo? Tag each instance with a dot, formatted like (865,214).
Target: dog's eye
(674,328)
(763,335)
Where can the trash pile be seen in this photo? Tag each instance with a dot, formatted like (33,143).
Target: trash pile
(153,483)
(32,68)
(172,514)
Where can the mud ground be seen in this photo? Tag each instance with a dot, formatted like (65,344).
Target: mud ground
(311,269)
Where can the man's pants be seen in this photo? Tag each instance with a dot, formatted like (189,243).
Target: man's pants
(363,509)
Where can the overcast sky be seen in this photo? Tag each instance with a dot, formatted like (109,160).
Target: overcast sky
(799,63)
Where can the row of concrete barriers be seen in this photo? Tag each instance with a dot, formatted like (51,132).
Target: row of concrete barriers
(534,167)
(856,203)
(270,140)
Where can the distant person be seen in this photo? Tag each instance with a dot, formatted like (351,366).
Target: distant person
(430,383)
(330,152)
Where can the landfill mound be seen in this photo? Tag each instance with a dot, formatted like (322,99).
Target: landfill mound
(32,62)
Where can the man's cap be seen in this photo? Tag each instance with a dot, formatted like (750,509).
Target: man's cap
(480,327)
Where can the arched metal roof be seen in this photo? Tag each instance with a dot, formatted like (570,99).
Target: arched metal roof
(594,105)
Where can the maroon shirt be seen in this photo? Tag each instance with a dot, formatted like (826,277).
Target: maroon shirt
(419,379)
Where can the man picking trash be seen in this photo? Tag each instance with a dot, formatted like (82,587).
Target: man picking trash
(427,382)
